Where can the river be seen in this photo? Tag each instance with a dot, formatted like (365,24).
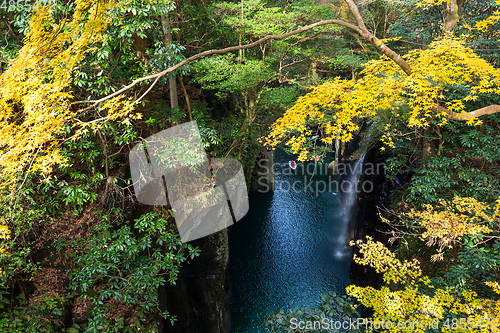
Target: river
(290,247)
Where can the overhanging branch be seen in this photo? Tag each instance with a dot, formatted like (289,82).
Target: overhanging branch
(360,28)
(221,51)
(491,109)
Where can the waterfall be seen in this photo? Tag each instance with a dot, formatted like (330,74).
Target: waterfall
(350,190)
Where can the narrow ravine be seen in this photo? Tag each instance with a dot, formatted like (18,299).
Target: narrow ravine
(291,247)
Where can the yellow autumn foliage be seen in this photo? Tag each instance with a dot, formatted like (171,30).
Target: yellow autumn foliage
(413,299)
(450,222)
(4,232)
(336,106)
(35,90)
(489,21)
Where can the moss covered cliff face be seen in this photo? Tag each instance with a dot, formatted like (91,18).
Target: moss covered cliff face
(199,298)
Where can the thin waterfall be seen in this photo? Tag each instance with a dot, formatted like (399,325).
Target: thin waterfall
(350,190)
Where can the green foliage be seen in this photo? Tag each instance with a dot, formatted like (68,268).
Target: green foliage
(37,318)
(255,18)
(118,59)
(76,195)
(470,173)
(127,263)
(470,267)
(226,75)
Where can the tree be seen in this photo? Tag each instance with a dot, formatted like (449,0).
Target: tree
(384,90)
(419,79)
(410,296)
(14,159)
(165,22)
(253,83)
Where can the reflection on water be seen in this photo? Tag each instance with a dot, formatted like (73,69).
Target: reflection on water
(288,250)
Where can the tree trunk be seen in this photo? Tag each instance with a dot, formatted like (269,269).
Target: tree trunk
(428,146)
(240,40)
(165,22)
(188,103)
(314,71)
(452,15)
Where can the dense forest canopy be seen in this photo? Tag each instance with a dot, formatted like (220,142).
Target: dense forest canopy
(82,82)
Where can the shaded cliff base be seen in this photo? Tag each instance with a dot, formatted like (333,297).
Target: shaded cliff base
(199,299)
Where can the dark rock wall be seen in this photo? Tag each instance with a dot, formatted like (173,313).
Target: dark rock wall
(199,298)
(368,221)
(263,176)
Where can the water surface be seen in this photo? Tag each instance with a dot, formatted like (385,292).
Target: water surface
(289,249)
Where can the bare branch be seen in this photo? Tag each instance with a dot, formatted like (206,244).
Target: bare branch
(360,28)
(222,51)
(491,109)
(379,45)
(357,16)
(150,87)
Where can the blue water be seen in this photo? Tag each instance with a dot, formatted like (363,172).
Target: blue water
(289,249)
